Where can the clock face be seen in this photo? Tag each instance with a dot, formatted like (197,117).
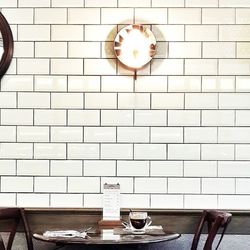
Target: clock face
(135,46)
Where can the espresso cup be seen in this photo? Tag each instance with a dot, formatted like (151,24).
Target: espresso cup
(139,220)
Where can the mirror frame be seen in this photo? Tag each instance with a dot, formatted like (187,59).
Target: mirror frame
(8,45)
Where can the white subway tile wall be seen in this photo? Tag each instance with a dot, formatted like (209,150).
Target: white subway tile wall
(72,118)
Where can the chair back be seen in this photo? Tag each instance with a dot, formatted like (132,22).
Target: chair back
(13,216)
(215,220)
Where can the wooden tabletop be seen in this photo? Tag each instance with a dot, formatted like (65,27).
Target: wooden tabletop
(111,237)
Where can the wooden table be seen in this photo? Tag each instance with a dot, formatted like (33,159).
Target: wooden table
(107,237)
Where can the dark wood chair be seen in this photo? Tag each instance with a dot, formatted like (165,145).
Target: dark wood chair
(215,220)
(12,217)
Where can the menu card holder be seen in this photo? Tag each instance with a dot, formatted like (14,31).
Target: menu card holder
(111,206)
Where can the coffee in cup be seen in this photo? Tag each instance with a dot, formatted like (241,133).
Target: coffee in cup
(139,220)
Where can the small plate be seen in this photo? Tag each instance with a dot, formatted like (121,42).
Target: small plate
(134,231)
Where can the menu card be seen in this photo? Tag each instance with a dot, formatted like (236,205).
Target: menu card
(111,202)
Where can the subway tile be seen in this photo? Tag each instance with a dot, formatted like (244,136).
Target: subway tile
(201,66)
(184,118)
(167,67)
(234,33)
(66,200)
(105,67)
(126,184)
(201,101)
(217,152)
(242,117)
(117,84)
(83,16)
(218,117)
(84,117)
(151,16)
(234,66)
(8,199)
(101,3)
(8,3)
(243,50)
(93,200)
(242,16)
(67,33)
(16,150)
(18,16)
(33,167)
(151,84)
(218,16)
(33,3)
(50,16)
(7,167)
(49,151)
(162,50)
(32,134)
(50,117)
(33,32)
(218,50)
(185,50)
(133,134)
(203,3)
(234,3)
(234,101)
(168,201)
(168,3)
(184,185)
(33,200)
(7,100)
(150,151)
(134,3)
(23,49)
(50,184)
(201,33)
(183,151)
(84,49)
(105,100)
(83,83)
(200,168)
(150,118)
(242,186)
(200,201)
(117,15)
(233,135)
(99,134)
(135,200)
(168,32)
(51,83)
(184,16)
(65,168)
(16,117)
(33,100)
(51,49)
(16,184)
(234,169)
(116,151)
(133,101)
(99,168)
(67,66)
(32,66)
(234,201)
(82,151)
(218,84)
(117,117)
(242,152)
(184,84)
(133,168)
(218,186)
(17,83)
(66,100)
(66,134)
(167,101)
(166,135)
(12,68)
(100,32)
(66,3)
(200,135)
(150,185)
(166,168)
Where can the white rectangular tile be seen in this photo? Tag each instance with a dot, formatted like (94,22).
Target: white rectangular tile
(135,200)
(150,151)
(66,168)
(167,101)
(234,67)
(84,117)
(133,168)
(17,83)
(166,135)
(243,50)
(84,83)
(18,16)
(66,100)
(50,117)
(133,101)
(150,185)
(34,32)
(200,168)
(242,117)
(184,118)
(117,15)
(84,49)
(167,201)
(8,100)
(32,134)
(101,3)
(32,200)
(234,101)
(16,117)
(201,101)
(168,3)
(134,3)
(217,152)
(203,3)
(166,168)
(234,33)
(233,135)
(84,184)
(16,150)
(167,67)
(234,169)
(99,168)
(150,118)
(8,199)
(105,100)
(51,49)
(23,49)
(8,167)
(67,33)
(117,84)
(218,50)
(242,16)
(116,151)
(201,66)
(218,117)
(67,66)
(83,151)
(8,3)
(33,3)
(133,134)
(66,3)
(50,16)
(218,84)
(105,67)
(99,134)
(16,184)
(200,135)
(33,167)
(184,185)
(218,186)
(151,84)
(66,200)
(201,33)
(184,152)
(184,84)
(32,66)
(117,117)
(234,201)
(200,201)
(234,3)
(243,186)
(50,184)
(185,50)
(100,32)
(51,83)
(168,32)
(242,152)
(93,200)
(33,100)
(49,151)
(83,16)
(184,16)
(151,16)
(218,16)
(66,134)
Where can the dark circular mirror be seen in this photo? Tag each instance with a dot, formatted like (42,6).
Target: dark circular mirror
(6,45)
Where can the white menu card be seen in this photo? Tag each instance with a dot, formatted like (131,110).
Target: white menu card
(111,202)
